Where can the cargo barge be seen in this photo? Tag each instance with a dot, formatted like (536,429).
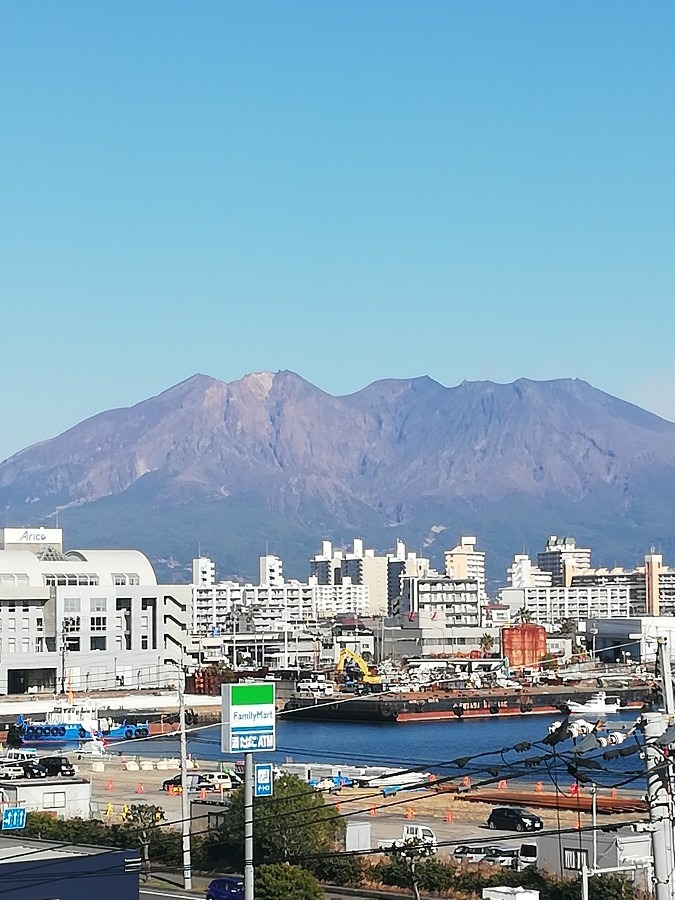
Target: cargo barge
(437,706)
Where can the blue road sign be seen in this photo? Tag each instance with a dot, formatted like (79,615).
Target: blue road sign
(264,780)
(13,817)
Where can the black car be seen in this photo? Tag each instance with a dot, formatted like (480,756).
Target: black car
(57,765)
(32,768)
(513,818)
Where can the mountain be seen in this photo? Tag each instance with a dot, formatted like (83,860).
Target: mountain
(228,468)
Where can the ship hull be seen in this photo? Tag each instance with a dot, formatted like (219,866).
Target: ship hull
(462,706)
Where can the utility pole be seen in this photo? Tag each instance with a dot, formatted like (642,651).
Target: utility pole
(658,783)
(249,882)
(184,797)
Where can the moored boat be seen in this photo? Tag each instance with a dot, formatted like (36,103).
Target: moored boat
(600,704)
(72,723)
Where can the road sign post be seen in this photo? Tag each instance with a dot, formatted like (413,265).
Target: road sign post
(264,780)
(248,725)
(13,817)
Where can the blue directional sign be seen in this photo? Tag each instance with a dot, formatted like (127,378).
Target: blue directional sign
(264,780)
(13,817)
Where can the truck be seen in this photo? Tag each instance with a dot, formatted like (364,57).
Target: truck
(420,835)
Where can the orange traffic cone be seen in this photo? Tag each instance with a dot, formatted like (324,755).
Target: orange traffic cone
(409,812)
(373,810)
(448,816)
(109,786)
(502,785)
(139,788)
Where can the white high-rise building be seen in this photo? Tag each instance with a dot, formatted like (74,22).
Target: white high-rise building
(465,562)
(562,558)
(522,574)
(271,570)
(203,571)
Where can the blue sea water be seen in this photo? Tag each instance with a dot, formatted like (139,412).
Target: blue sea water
(481,744)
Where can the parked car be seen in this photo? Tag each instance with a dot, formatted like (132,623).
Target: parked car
(216,780)
(195,782)
(507,857)
(528,855)
(57,765)
(513,818)
(473,854)
(10,771)
(32,768)
(228,888)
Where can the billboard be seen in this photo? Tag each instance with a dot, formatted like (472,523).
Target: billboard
(248,717)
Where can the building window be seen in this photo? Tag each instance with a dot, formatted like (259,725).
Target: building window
(72,644)
(98,623)
(98,604)
(144,621)
(144,642)
(71,604)
(97,643)
(11,624)
(118,641)
(25,624)
(11,645)
(54,800)
(134,579)
(574,858)
(26,606)
(71,623)
(39,624)
(25,645)
(119,579)
(39,645)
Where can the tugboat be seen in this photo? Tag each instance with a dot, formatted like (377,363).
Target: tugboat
(71,724)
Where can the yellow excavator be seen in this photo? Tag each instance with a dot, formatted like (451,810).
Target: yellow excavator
(366,677)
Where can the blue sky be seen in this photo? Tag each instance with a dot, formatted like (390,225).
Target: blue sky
(352,190)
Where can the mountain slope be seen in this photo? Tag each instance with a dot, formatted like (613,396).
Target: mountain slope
(271,457)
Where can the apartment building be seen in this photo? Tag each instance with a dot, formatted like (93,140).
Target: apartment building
(523,574)
(651,587)
(562,559)
(464,562)
(549,605)
(92,619)
(449,601)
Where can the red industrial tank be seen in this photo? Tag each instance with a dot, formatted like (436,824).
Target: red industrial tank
(524,645)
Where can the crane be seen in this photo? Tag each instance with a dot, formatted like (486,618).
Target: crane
(360,663)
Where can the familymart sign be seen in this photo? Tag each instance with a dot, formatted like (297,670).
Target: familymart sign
(249,712)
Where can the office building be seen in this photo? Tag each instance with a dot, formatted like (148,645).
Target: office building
(89,619)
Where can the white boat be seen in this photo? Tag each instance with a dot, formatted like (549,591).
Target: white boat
(599,705)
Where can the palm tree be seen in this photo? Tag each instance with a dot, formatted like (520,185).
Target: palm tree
(487,642)
(524,615)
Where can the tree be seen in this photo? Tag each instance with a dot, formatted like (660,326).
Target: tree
(487,642)
(569,627)
(294,823)
(524,616)
(284,882)
(141,819)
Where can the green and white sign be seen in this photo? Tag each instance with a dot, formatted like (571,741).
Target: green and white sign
(249,717)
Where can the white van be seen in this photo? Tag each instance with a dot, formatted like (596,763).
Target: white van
(18,754)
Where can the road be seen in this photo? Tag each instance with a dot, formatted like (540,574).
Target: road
(166,894)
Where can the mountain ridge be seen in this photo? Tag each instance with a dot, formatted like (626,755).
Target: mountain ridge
(404,454)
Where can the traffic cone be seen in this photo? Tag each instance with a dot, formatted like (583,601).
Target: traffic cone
(337,806)
(109,786)
(502,785)
(373,810)
(539,787)
(409,812)
(448,816)
(139,788)
(466,781)
(202,794)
